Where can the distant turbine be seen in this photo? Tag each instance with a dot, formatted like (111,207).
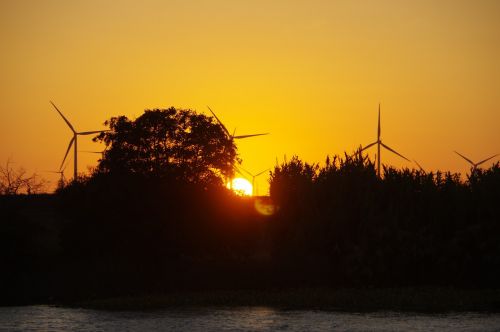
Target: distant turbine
(254,176)
(61,174)
(475,165)
(379,143)
(74,141)
(229,135)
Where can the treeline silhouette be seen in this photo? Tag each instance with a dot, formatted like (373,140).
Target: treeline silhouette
(152,218)
(335,226)
(410,228)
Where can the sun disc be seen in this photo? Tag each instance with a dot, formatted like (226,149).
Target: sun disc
(241,186)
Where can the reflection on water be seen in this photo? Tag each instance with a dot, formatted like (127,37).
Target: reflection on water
(47,318)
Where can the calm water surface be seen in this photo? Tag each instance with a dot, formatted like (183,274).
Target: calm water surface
(48,318)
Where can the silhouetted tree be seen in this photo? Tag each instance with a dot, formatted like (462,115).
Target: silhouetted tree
(170,142)
(14,181)
(291,180)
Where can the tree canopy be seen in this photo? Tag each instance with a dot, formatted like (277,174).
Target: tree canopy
(169,142)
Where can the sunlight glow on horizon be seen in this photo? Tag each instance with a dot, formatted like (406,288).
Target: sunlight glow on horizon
(241,187)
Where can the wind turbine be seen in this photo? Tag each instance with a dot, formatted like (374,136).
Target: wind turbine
(379,144)
(233,136)
(254,176)
(229,135)
(61,174)
(74,141)
(475,165)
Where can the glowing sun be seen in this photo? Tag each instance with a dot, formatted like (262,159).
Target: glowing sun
(241,186)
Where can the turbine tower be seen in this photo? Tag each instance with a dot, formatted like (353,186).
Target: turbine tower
(380,144)
(475,165)
(74,141)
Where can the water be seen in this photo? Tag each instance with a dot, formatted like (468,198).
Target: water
(48,318)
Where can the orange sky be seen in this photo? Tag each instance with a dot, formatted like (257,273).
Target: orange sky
(310,72)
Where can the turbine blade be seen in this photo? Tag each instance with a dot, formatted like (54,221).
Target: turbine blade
(67,151)
(470,161)
(378,131)
(100,152)
(240,173)
(368,146)
(261,172)
(246,171)
(64,118)
(483,161)
(246,136)
(219,121)
(92,132)
(421,168)
(394,151)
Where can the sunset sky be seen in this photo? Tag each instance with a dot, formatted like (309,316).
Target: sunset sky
(309,72)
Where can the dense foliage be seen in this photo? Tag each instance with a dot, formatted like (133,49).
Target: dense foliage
(408,228)
(173,143)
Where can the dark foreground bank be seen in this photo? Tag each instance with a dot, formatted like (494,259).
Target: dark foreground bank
(431,300)
(411,238)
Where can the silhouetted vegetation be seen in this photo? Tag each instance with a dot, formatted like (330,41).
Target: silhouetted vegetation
(179,144)
(154,217)
(408,228)
(14,181)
